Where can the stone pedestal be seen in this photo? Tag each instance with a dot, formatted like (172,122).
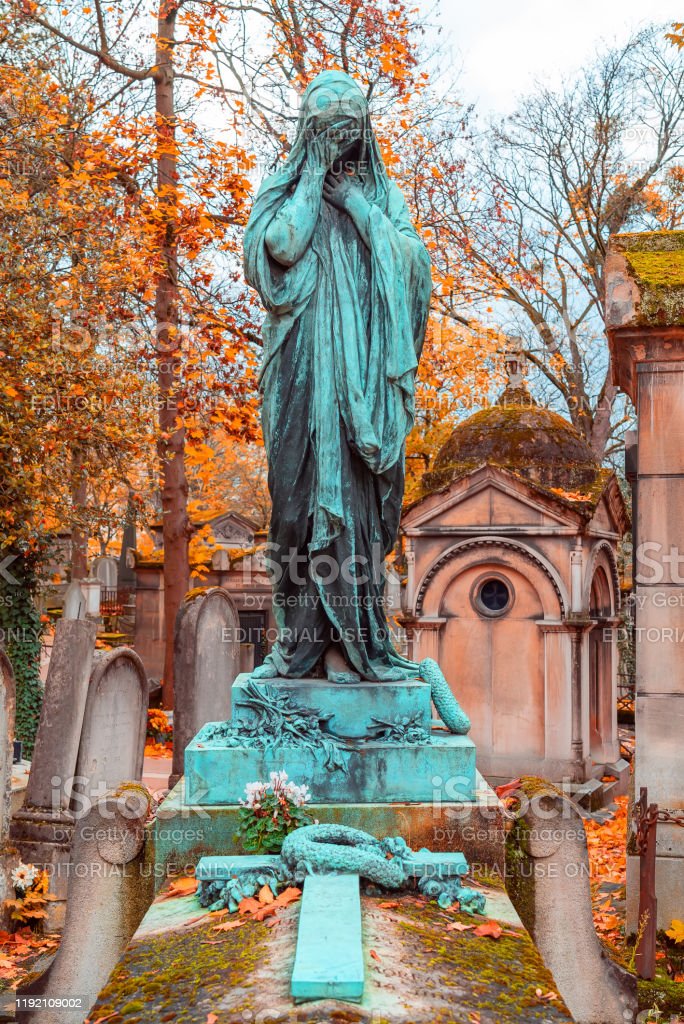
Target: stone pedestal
(368,768)
(428,791)
(645,319)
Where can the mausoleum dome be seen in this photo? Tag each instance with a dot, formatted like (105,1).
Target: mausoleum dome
(519,435)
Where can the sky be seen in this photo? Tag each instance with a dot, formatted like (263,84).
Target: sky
(502,47)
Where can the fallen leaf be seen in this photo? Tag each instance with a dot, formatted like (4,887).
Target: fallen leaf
(676,931)
(179,887)
(456,926)
(545,997)
(474,1017)
(376,956)
(509,787)
(248,905)
(490,928)
(390,905)
(272,920)
(228,926)
(265,894)
(211,1018)
(289,895)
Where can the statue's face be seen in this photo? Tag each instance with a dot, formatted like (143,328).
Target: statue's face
(339,114)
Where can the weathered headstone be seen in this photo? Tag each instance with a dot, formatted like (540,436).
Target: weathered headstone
(105,905)
(206,661)
(74,601)
(547,877)
(9,857)
(112,746)
(42,828)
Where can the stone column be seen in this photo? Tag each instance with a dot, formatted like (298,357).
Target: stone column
(426,633)
(645,321)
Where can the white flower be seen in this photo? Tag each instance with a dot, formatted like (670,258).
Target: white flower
(255,792)
(24,876)
(277,781)
(297,795)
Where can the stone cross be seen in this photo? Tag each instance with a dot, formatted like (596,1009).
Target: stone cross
(329,955)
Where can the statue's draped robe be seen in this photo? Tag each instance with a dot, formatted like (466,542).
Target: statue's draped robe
(342,339)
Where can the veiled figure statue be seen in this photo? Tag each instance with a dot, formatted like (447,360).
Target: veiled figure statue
(345,280)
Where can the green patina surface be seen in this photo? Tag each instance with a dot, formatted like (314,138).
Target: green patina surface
(656,262)
(420,972)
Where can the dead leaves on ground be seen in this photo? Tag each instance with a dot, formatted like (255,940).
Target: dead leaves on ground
(18,951)
(185,886)
(266,904)
(607,846)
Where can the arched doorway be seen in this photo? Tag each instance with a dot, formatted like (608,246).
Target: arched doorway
(601,667)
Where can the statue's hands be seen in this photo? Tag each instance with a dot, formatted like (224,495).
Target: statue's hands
(342,191)
(328,145)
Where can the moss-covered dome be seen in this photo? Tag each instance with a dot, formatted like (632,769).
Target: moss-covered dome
(521,436)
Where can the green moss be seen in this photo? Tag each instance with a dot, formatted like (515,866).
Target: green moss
(663,994)
(501,976)
(175,970)
(655,259)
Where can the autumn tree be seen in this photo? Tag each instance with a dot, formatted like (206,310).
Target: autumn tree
(526,209)
(188,208)
(65,410)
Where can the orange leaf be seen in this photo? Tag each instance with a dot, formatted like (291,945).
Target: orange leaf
(289,895)
(248,905)
(456,926)
(179,887)
(376,956)
(211,1018)
(490,928)
(228,926)
(265,894)
(388,905)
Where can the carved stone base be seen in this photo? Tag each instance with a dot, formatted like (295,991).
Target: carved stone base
(373,772)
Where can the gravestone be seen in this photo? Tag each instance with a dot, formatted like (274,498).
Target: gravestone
(547,879)
(9,857)
(109,892)
(105,569)
(74,601)
(112,746)
(42,828)
(206,662)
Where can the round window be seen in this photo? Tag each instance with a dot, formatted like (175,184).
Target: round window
(493,596)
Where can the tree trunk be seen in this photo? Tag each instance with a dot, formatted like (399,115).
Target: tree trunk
(79,538)
(174,489)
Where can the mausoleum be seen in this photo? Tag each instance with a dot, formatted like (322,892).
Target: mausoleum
(512,586)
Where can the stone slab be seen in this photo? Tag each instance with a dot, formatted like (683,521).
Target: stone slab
(375,772)
(669,891)
(352,706)
(329,955)
(182,833)
(420,973)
